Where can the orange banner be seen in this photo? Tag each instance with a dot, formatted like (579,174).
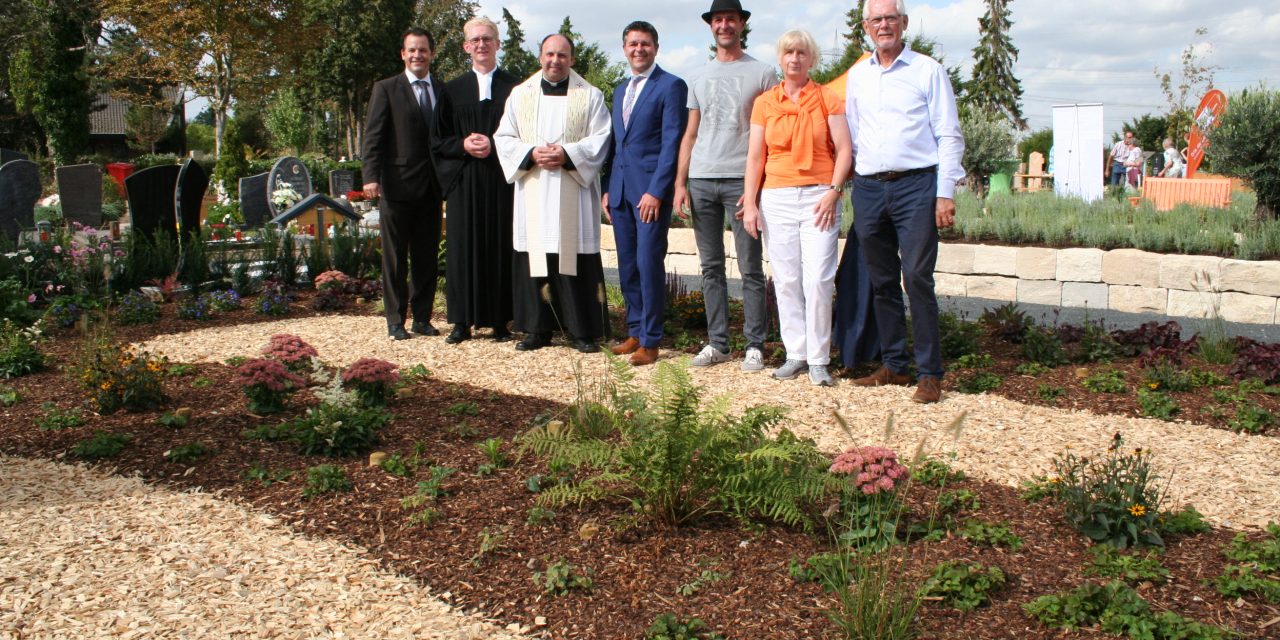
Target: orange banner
(1207,115)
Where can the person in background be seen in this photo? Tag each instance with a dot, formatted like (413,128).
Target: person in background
(1116,160)
(1173,167)
(798,159)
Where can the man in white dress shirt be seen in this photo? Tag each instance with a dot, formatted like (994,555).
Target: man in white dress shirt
(907,147)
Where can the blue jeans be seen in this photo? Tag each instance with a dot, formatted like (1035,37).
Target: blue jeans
(1117,174)
(898,218)
(712,199)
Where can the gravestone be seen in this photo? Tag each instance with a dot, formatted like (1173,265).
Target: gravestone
(192,183)
(254,205)
(287,170)
(151,200)
(19,190)
(80,193)
(9,155)
(341,181)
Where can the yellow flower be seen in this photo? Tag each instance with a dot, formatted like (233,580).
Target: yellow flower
(1153,385)
(1055,480)
(1137,511)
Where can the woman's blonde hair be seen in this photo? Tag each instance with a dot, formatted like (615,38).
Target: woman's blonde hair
(798,39)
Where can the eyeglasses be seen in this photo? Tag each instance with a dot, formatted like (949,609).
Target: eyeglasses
(881,20)
(482,40)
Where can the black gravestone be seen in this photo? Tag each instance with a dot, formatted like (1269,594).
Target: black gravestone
(80,193)
(341,181)
(9,155)
(151,200)
(192,183)
(287,170)
(19,190)
(254,204)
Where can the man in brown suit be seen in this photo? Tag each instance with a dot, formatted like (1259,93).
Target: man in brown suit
(398,168)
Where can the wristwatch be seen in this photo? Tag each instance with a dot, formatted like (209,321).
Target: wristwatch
(836,188)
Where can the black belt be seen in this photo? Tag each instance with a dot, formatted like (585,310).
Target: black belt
(890,176)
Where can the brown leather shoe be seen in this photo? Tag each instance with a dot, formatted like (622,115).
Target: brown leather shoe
(883,376)
(628,346)
(643,356)
(929,390)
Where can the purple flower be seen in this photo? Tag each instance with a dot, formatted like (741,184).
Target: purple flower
(31,299)
(57,248)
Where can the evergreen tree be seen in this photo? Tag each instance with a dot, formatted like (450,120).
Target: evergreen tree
(592,63)
(514,57)
(49,75)
(993,87)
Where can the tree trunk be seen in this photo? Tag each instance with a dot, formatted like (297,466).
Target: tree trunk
(1263,213)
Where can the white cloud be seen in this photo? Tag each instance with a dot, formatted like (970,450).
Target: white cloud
(1082,51)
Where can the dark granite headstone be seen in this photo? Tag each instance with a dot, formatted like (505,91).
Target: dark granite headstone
(341,181)
(9,155)
(80,192)
(151,199)
(253,201)
(19,190)
(287,170)
(192,183)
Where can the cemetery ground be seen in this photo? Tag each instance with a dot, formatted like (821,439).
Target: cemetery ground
(457,506)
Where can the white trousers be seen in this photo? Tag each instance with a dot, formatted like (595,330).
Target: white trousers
(804,264)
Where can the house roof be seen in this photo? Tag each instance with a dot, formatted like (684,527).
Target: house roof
(107,116)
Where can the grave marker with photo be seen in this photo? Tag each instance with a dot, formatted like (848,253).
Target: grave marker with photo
(287,171)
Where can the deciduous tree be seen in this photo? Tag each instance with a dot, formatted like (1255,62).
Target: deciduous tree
(1183,94)
(1244,145)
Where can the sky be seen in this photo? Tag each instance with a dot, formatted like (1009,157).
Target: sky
(1080,51)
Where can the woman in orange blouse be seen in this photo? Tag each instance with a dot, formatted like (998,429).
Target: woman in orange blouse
(798,159)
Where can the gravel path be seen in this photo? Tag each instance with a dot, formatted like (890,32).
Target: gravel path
(1001,440)
(85,554)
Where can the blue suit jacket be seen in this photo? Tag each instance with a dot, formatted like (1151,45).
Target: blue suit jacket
(643,156)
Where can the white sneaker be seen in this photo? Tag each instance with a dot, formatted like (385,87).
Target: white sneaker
(754,360)
(819,377)
(709,356)
(790,369)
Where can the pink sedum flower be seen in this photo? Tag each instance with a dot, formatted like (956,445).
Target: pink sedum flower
(872,469)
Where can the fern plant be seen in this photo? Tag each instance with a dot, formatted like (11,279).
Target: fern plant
(676,458)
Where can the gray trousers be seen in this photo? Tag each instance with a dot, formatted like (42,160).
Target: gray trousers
(712,200)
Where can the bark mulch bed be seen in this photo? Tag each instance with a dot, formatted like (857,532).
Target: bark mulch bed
(638,572)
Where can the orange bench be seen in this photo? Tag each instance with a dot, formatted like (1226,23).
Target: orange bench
(1168,192)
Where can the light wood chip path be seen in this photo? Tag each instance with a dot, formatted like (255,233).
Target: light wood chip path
(84,554)
(1233,479)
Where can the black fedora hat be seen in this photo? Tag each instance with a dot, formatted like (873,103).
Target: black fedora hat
(726,5)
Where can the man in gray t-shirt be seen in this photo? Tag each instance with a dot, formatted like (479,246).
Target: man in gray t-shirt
(713,159)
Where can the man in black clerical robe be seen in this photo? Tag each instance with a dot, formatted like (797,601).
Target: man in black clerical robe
(479,200)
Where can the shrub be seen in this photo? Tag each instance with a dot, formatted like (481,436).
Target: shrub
(340,425)
(19,355)
(267,384)
(291,351)
(1188,521)
(933,472)
(979,382)
(1007,322)
(102,445)
(136,308)
(193,308)
(1155,404)
(975,361)
(1257,360)
(1114,498)
(1094,344)
(374,380)
(964,586)
(991,535)
(335,281)
(326,478)
(668,626)
(9,396)
(957,337)
(1250,418)
(1043,346)
(273,302)
(1105,381)
(1244,145)
(1048,392)
(118,377)
(185,453)
(1118,609)
(222,300)
(1149,336)
(64,311)
(1108,562)
(561,577)
(1257,568)
(55,419)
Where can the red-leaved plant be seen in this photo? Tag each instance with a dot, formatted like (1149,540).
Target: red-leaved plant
(267,384)
(374,380)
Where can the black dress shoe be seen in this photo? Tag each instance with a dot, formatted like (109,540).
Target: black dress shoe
(425,329)
(533,341)
(502,335)
(585,346)
(397,333)
(460,333)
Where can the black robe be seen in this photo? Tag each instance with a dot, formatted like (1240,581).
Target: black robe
(478,227)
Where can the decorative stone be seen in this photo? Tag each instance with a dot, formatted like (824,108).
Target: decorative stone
(1190,273)
(253,201)
(19,190)
(683,264)
(992,287)
(950,284)
(80,193)
(376,458)
(681,241)
(1080,265)
(1037,263)
(1243,307)
(1089,295)
(192,183)
(1259,277)
(1048,292)
(955,258)
(1191,304)
(1001,261)
(1131,267)
(1129,299)
(152,205)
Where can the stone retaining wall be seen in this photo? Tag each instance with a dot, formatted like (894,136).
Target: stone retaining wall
(1125,280)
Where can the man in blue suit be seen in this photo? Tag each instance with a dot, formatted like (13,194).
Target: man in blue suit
(649,117)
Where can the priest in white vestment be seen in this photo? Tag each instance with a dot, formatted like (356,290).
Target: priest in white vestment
(552,143)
